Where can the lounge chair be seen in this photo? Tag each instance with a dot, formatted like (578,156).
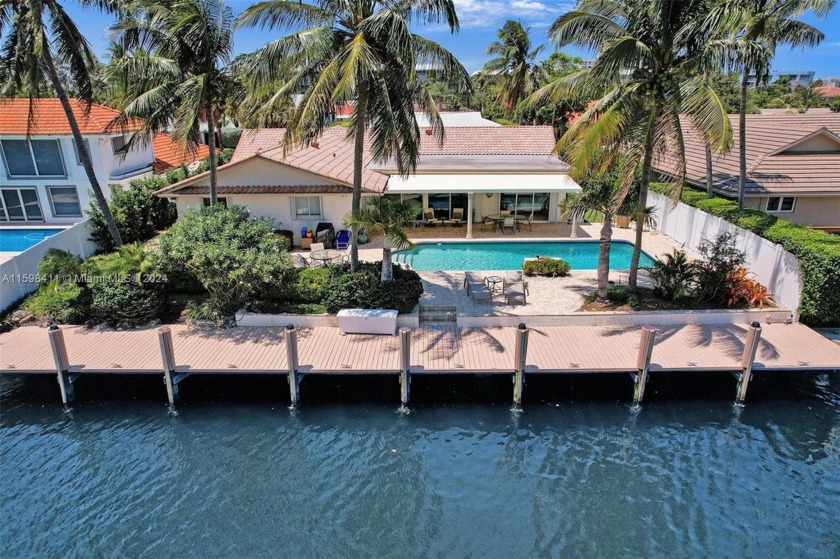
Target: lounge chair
(342,239)
(476,288)
(429,218)
(510,225)
(516,291)
(457,217)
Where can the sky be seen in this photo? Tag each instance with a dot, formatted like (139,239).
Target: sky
(480,19)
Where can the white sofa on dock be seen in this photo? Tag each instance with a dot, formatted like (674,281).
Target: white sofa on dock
(367,321)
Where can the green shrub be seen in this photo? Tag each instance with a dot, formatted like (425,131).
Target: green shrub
(230,137)
(672,275)
(202,310)
(714,273)
(139,214)
(232,255)
(288,237)
(59,265)
(622,295)
(364,289)
(818,253)
(127,262)
(551,267)
(126,302)
(65,302)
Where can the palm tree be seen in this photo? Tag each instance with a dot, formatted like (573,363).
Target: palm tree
(807,97)
(173,67)
(40,37)
(513,72)
(767,23)
(389,217)
(644,77)
(359,51)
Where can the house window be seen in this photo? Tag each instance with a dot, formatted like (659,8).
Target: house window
(76,150)
(781,204)
(526,203)
(118,145)
(33,159)
(206,201)
(443,204)
(20,204)
(307,206)
(64,201)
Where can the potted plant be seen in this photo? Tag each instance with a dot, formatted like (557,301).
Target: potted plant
(362,236)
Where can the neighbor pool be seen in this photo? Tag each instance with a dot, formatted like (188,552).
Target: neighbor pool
(18,240)
(581,255)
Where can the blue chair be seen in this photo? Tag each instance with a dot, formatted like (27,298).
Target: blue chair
(342,240)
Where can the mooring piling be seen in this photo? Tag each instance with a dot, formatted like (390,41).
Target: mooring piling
(167,354)
(520,357)
(292,359)
(747,361)
(405,364)
(643,364)
(62,365)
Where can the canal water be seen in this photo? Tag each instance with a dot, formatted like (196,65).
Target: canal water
(578,473)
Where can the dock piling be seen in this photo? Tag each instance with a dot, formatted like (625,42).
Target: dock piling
(292,359)
(167,354)
(643,364)
(62,364)
(747,361)
(405,364)
(520,358)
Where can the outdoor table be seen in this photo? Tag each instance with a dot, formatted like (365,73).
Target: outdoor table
(493,281)
(500,218)
(326,256)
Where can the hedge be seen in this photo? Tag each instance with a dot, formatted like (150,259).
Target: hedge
(818,252)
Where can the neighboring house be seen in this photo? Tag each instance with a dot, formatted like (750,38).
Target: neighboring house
(480,170)
(830,93)
(41,178)
(793,166)
(804,77)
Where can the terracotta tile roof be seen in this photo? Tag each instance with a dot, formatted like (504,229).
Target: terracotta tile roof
(269,189)
(828,92)
(49,118)
(773,166)
(169,153)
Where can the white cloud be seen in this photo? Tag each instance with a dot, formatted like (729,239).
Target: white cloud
(490,13)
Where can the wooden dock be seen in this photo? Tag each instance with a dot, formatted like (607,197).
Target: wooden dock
(177,352)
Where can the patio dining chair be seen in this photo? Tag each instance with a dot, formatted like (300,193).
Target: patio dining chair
(505,212)
(509,224)
(488,222)
(310,262)
(527,222)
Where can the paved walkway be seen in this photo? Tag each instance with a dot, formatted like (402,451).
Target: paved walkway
(434,349)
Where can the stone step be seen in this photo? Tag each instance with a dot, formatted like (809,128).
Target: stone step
(438,313)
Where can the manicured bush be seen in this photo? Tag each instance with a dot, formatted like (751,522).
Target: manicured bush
(818,253)
(232,255)
(65,302)
(127,302)
(551,267)
(138,212)
(364,289)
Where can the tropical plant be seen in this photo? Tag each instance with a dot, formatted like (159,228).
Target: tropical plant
(359,51)
(389,217)
(744,290)
(514,73)
(672,275)
(807,97)
(715,270)
(232,255)
(172,65)
(40,37)
(750,31)
(58,264)
(644,78)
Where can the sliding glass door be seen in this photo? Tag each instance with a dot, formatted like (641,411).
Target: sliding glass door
(526,203)
(20,204)
(443,204)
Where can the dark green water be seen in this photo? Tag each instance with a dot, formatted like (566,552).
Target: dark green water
(578,473)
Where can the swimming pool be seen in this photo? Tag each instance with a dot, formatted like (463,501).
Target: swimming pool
(581,255)
(18,240)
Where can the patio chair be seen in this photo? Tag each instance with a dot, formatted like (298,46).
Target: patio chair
(509,224)
(488,221)
(527,221)
(516,291)
(505,212)
(476,288)
(457,217)
(429,217)
(342,239)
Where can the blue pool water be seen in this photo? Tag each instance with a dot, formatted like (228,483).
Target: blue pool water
(18,240)
(581,255)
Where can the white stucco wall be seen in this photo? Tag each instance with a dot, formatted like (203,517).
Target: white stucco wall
(773,266)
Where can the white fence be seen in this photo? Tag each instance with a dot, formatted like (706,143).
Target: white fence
(772,265)
(17,275)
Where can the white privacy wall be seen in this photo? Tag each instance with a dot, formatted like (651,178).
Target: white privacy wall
(772,265)
(17,273)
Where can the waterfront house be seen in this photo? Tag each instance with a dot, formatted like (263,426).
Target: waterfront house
(479,170)
(41,177)
(793,166)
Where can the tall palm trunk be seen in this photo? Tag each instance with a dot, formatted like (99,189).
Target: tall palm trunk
(643,194)
(211,144)
(604,259)
(742,138)
(358,162)
(84,155)
(709,182)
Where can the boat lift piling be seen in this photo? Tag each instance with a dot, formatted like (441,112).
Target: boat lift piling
(405,365)
(643,364)
(747,361)
(292,358)
(520,358)
(62,365)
